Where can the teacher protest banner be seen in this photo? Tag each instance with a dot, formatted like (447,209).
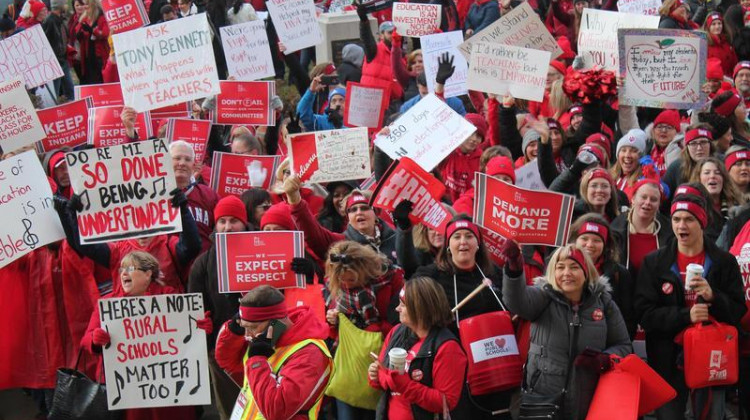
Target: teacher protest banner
(157,356)
(427,133)
(597,36)
(365,106)
(245,103)
(521,28)
(663,68)
(66,125)
(529,217)
(234,174)
(29,55)
(125,191)
(502,69)
(296,23)
(104,94)
(194,132)
(416,19)
(332,155)
(106,128)
(29,217)
(124,15)
(19,124)
(247,51)
(247,260)
(166,63)
(433,46)
(639,7)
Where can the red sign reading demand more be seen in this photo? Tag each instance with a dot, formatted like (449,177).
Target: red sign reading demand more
(529,217)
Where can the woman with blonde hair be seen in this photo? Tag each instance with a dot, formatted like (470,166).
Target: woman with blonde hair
(92,32)
(675,14)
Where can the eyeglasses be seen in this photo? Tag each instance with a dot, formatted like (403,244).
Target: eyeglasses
(129,269)
(265,206)
(698,144)
(363,208)
(340,258)
(664,127)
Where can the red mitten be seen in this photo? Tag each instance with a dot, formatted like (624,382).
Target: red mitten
(100,337)
(399,381)
(206,324)
(396,39)
(512,254)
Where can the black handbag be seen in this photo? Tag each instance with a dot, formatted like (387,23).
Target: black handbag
(77,397)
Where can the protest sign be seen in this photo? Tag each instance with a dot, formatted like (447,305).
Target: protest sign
(247,51)
(125,191)
(529,217)
(66,125)
(106,128)
(247,260)
(181,110)
(157,356)
(501,69)
(405,180)
(639,7)
(521,28)
(166,63)
(19,124)
(234,174)
(662,68)
(245,103)
(296,23)
(433,46)
(30,220)
(426,133)
(528,176)
(194,132)
(597,37)
(338,5)
(124,15)
(365,105)
(416,19)
(29,55)
(332,155)
(105,94)
(494,244)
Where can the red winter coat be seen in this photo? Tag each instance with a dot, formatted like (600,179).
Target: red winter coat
(724,51)
(379,72)
(314,201)
(458,170)
(101,45)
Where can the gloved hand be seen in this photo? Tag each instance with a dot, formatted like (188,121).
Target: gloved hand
(293,126)
(261,346)
(401,214)
(59,203)
(396,39)
(304,266)
(86,27)
(512,254)
(234,325)
(179,199)
(361,12)
(100,337)
(445,68)
(335,118)
(206,324)
(75,204)
(605,362)
(399,381)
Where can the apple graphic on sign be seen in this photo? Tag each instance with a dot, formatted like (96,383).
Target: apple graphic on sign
(500,342)
(673,88)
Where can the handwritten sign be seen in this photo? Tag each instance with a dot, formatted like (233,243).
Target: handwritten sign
(167,63)
(234,174)
(245,103)
(19,124)
(194,132)
(125,191)
(247,51)
(661,68)
(296,23)
(106,128)
(124,15)
(521,28)
(639,7)
(416,19)
(66,125)
(435,45)
(426,133)
(157,356)
(333,155)
(30,220)
(597,37)
(501,69)
(365,105)
(104,94)
(29,55)
(528,176)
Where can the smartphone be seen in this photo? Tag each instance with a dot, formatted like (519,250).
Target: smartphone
(330,80)
(278,329)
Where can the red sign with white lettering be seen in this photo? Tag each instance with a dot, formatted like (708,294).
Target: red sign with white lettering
(304,154)
(106,129)
(66,125)
(124,15)
(105,94)
(234,174)
(194,132)
(245,103)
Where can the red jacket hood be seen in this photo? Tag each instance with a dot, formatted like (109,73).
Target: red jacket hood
(305,325)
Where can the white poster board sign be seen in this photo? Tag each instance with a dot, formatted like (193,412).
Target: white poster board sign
(28,54)
(331,155)
(433,46)
(296,23)
(416,19)
(499,69)
(528,176)
(19,123)
(365,105)
(639,7)
(247,51)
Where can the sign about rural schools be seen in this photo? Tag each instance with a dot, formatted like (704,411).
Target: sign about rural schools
(247,51)
(433,46)
(501,69)
(296,23)
(28,54)
(416,19)
(597,38)
(19,123)
(157,356)
(167,63)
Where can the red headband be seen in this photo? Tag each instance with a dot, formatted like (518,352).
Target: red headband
(595,228)
(356,199)
(577,256)
(712,17)
(728,107)
(686,189)
(462,224)
(263,313)
(735,157)
(552,124)
(600,173)
(697,133)
(575,109)
(691,208)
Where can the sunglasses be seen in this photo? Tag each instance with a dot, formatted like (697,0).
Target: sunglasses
(340,258)
(363,208)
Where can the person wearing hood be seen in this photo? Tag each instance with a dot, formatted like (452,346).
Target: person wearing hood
(33,13)
(482,14)
(350,69)
(719,44)
(334,117)
(57,170)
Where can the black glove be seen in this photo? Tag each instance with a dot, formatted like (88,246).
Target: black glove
(445,68)
(75,204)
(179,199)
(361,11)
(401,214)
(261,346)
(335,118)
(304,266)
(584,160)
(59,203)
(293,126)
(234,325)
(86,27)
(512,254)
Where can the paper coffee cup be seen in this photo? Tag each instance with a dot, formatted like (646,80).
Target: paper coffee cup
(692,271)
(397,357)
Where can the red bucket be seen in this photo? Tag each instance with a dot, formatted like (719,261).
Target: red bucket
(494,360)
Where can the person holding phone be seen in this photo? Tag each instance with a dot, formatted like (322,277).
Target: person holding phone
(334,112)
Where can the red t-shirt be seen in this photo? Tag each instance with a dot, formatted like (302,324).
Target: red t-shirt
(741,250)
(640,245)
(682,262)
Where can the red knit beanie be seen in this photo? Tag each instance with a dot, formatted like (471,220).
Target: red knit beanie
(278,214)
(501,165)
(669,117)
(479,122)
(559,66)
(230,206)
(36,7)
(742,65)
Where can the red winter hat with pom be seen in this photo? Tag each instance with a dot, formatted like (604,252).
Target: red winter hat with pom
(501,165)
(279,214)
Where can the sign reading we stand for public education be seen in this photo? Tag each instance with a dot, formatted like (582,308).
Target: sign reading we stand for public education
(233,174)
(365,105)
(502,69)
(331,155)
(296,23)
(193,132)
(125,191)
(124,15)
(106,128)
(166,63)
(245,103)
(29,55)
(157,356)
(247,260)
(104,94)
(66,125)
(247,50)
(416,19)
(19,123)
(529,217)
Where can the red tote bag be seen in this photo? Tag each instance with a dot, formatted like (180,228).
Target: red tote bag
(655,391)
(311,296)
(616,397)
(711,355)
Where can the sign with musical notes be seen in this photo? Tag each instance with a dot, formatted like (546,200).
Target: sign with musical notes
(125,191)
(157,356)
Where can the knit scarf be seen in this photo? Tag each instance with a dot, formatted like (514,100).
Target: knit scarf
(360,304)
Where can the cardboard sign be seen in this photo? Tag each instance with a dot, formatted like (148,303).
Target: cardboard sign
(66,125)
(106,128)
(234,174)
(246,260)
(661,68)
(245,103)
(296,23)
(435,45)
(124,15)
(521,28)
(29,217)
(157,356)
(528,176)
(332,155)
(639,7)
(365,105)
(29,55)
(247,51)
(104,94)
(194,132)
(416,19)
(166,63)
(529,217)
(19,124)
(500,69)
(125,191)
(597,37)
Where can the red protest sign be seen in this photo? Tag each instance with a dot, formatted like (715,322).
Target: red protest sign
(161,115)
(529,217)
(234,174)
(106,129)
(405,180)
(247,260)
(365,105)
(105,94)
(194,132)
(66,125)
(124,15)
(304,154)
(245,103)
(494,244)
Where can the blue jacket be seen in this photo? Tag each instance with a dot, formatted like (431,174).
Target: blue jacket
(454,103)
(482,15)
(312,121)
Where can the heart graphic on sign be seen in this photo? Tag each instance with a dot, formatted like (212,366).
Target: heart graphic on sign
(664,69)
(500,342)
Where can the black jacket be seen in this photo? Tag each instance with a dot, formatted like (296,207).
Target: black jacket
(619,227)
(54,29)
(623,293)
